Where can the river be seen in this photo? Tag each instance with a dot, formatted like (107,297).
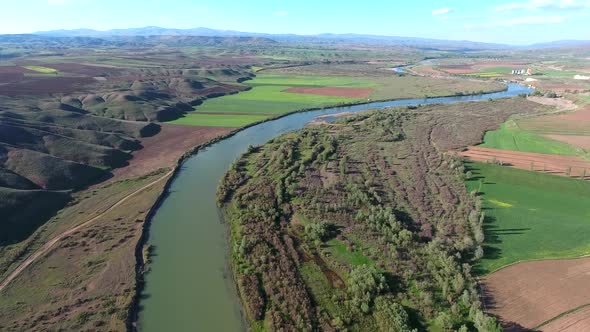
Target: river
(188,287)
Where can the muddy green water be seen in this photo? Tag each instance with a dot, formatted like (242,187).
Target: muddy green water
(189,287)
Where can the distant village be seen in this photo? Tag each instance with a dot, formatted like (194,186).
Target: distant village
(527,71)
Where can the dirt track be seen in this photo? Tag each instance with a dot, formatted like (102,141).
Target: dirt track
(578,320)
(164,149)
(47,246)
(333,91)
(532,293)
(547,163)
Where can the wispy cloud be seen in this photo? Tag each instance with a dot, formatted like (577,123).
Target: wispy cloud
(56,2)
(441,11)
(282,13)
(544,4)
(531,20)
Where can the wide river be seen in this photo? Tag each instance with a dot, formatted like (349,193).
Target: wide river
(188,287)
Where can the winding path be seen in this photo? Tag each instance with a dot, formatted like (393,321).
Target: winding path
(47,246)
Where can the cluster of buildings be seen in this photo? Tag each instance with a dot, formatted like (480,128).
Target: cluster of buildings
(522,71)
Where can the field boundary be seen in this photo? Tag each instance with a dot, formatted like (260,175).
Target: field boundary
(563,314)
(532,260)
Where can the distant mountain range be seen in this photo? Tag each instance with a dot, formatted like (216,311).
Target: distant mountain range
(326,38)
(48,40)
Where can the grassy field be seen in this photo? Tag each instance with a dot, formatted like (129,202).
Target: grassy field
(530,215)
(511,137)
(267,96)
(41,69)
(218,120)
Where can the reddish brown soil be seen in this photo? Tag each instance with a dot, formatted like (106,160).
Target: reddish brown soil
(574,322)
(562,87)
(11,74)
(548,163)
(559,103)
(333,91)
(164,149)
(531,293)
(45,85)
(582,114)
(458,69)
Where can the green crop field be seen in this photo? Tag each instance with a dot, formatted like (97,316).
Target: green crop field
(510,137)
(558,73)
(41,69)
(501,70)
(530,215)
(218,120)
(268,97)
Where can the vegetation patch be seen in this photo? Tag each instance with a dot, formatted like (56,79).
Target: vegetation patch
(547,217)
(218,120)
(511,137)
(42,70)
(368,220)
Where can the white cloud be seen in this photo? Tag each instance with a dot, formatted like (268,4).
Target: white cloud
(544,4)
(282,13)
(56,2)
(468,26)
(441,11)
(532,20)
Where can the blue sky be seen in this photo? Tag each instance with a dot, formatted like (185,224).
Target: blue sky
(510,21)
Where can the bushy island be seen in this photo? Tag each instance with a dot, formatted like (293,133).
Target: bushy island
(364,224)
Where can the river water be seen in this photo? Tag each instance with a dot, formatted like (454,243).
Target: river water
(188,287)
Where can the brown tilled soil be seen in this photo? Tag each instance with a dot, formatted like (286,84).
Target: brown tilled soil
(547,163)
(559,103)
(583,114)
(562,87)
(45,85)
(164,149)
(572,123)
(458,69)
(577,321)
(333,91)
(526,295)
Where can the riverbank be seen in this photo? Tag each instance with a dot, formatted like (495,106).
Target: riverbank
(305,116)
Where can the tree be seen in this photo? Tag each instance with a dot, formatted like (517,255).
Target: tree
(391,316)
(485,323)
(444,321)
(365,283)
(317,231)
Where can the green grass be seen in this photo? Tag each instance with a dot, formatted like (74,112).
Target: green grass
(501,70)
(510,137)
(291,80)
(558,73)
(41,69)
(485,74)
(340,251)
(530,215)
(266,98)
(218,120)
